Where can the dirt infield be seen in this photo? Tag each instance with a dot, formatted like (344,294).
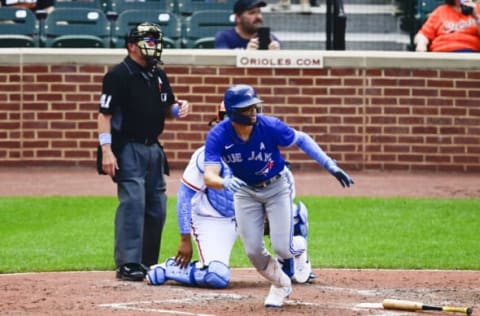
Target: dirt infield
(81,182)
(334,292)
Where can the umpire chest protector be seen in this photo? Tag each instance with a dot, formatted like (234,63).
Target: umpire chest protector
(139,99)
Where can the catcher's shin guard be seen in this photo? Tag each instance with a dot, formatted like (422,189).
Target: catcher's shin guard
(156,275)
(273,272)
(300,226)
(181,275)
(215,275)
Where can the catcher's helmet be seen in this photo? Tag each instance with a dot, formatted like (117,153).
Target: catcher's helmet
(240,97)
(220,115)
(149,38)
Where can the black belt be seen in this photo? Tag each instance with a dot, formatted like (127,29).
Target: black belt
(267,182)
(143,140)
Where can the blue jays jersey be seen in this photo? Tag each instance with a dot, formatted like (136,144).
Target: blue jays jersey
(255,160)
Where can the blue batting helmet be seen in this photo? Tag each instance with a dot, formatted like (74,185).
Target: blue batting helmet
(239,97)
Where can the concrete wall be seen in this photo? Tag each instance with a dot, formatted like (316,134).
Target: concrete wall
(369,110)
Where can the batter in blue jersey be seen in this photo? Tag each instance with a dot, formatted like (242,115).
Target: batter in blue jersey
(249,143)
(207,216)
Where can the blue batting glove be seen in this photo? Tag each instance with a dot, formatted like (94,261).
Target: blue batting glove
(233,184)
(338,173)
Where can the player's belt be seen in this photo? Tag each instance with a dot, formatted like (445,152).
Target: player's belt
(267,182)
(143,140)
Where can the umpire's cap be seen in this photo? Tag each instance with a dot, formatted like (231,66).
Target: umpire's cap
(240,96)
(243,5)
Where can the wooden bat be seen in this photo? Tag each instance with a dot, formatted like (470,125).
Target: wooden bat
(416,306)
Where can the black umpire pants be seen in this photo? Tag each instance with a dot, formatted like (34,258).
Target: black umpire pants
(141,212)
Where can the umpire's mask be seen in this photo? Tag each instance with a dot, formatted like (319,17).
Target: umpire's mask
(149,38)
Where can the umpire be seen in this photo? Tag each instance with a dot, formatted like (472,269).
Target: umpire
(136,100)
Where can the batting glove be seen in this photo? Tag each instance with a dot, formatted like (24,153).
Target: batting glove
(341,175)
(233,184)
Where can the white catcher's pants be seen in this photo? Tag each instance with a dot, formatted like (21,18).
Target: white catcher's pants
(215,237)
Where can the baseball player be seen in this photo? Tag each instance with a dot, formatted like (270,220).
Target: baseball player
(209,216)
(249,143)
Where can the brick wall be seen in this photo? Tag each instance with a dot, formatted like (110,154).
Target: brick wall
(368,118)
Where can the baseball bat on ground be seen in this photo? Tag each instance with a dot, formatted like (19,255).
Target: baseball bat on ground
(416,306)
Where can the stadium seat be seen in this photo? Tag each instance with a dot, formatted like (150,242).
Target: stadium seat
(201,27)
(76,28)
(169,23)
(188,7)
(425,7)
(119,6)
(18,28)
(92,4)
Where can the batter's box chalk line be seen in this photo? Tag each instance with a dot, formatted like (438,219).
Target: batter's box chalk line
(190,298)
(373,308)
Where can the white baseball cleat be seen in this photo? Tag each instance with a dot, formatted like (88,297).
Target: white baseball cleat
(303,268)
(277,295)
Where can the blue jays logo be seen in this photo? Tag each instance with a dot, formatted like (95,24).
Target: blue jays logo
(266,169)
(261,155)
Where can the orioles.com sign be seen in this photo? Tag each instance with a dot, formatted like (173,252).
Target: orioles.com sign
(278,59)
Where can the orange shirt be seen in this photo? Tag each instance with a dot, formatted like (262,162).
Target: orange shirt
(449,30)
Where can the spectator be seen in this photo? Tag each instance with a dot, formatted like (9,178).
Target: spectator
(34,5)
(136,100)
(248,20)
(452,27)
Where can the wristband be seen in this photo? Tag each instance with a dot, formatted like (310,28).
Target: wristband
(176,110)
(105,138)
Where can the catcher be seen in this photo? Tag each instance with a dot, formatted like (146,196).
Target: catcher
(208,215)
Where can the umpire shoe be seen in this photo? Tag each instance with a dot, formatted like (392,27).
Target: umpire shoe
(277,295)
(131,272)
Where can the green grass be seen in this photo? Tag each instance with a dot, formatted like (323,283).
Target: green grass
(76,233)
(395,233)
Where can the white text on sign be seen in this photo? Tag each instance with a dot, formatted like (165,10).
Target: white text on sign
(276,60)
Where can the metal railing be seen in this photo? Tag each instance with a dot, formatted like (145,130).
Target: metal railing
(336,25)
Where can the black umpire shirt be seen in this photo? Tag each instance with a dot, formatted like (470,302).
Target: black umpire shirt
(138,100)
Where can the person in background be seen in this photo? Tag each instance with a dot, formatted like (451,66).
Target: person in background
(248,20)
(451,27)
(34,5)
(136,99)
(208,216)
